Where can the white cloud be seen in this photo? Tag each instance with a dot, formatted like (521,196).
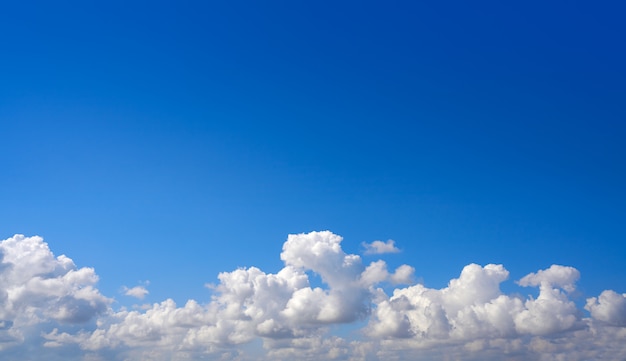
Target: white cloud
(558,276)
(377,272)
(609,307)
(380,247)
(36,286)
(50,305)
(138,292)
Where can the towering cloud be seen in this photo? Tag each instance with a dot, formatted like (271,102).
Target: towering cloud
(50,305)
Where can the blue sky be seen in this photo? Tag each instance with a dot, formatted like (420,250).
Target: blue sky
(165,143)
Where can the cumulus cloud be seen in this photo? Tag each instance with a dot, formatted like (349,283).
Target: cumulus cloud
(609,307)
(557,276)
(138,292)
(380,247)
(469,319)
(36,286)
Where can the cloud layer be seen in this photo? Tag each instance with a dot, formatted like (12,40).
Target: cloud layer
(358,312)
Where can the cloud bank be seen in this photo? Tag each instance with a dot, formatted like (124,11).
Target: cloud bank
(359,312)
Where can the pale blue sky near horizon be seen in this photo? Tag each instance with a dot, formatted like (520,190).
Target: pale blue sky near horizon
(169,142)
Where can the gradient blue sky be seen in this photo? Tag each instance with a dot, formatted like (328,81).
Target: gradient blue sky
(170,141)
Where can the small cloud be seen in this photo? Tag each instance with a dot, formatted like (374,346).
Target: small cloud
(557,276)
(138,292)
(380,247)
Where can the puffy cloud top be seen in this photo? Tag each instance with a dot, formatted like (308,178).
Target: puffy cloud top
(47,303)
(557,276)
(609,307)
(36,286)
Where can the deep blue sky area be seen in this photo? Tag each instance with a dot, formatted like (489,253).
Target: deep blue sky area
(171,141)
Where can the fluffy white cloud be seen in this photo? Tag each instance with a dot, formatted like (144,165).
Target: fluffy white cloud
(380,247)
(35,286)
(377,272)
(138,292)
(609,307)
(46,303)
(558,276)
(473,307)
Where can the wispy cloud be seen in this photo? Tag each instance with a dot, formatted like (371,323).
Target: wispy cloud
(380,247)
(50,305)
